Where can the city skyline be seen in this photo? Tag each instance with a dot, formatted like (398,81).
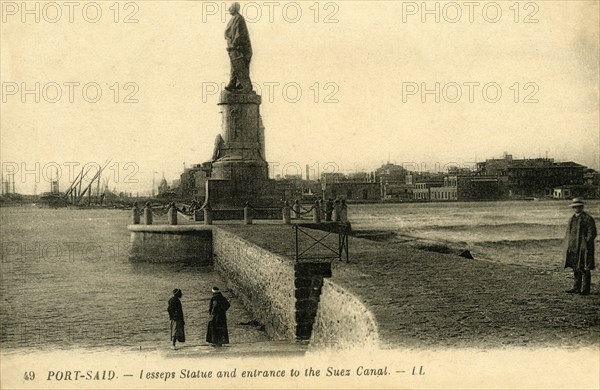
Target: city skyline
(47,174)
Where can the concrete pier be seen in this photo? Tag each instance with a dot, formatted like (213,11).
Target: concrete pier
(188,244)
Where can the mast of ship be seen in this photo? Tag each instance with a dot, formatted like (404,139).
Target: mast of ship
(72,190)
(88,187)
(98,189)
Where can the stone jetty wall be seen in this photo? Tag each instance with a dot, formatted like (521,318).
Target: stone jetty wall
(238,214)
(294,301)
(262,280)
(308,283)
(343,321)
(170,244)
(281,294)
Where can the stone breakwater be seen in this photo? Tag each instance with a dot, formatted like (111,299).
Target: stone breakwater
(391,295)
(263,281)
(258,263)
(189,244)
(281,294)
(343,321)
(287,297)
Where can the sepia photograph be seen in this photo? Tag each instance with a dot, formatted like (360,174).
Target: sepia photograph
(299,194)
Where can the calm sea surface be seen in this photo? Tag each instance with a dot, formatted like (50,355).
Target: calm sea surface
(66,281)
(517,232)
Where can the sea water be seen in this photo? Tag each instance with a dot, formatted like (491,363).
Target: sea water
(66,282)
(529,233)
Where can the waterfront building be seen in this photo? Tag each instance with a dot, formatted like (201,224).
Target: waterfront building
(402,192)
(353,190)
(422,189)
(573,191)
(537,177)
(192,182)
(478,187)
(447,192)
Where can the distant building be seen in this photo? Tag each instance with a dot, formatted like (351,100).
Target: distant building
(333,177)
(295,177)
(292,186)
(391,174)
(495,166)
(398,191)
(539,177)
(591,177)
(461,188)
(353,190)
(163,186)
(192,182)
(574,190)
(447,192)
(422,189)
(360,177)
(531,177)
(481,187)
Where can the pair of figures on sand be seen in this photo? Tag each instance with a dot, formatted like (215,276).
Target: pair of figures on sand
(216,333)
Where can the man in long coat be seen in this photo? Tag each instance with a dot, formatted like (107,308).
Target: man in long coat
(581,233)
(216,333)
(240,51)
(328,209)
(176,316)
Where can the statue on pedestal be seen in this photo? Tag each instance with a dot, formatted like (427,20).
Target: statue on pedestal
(240,52)
(238,171)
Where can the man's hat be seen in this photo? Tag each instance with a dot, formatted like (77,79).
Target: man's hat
(215,289)
(577,202)
(176,291)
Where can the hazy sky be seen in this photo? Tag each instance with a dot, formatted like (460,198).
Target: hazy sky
(343,92)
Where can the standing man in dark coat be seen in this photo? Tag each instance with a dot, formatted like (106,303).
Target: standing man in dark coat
(328,209)
(176,316)
(217,325)
(240,51)
(581,233)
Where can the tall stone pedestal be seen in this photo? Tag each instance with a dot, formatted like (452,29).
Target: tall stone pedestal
(240,155)
(240,172)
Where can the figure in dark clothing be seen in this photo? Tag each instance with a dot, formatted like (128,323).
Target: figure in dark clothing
(297,209)
(217,325)
(176,316)
(581,233)
(240,51)
(337,209)
(343,211)
(328,209)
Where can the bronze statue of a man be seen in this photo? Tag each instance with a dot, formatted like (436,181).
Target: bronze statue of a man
(240,51)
